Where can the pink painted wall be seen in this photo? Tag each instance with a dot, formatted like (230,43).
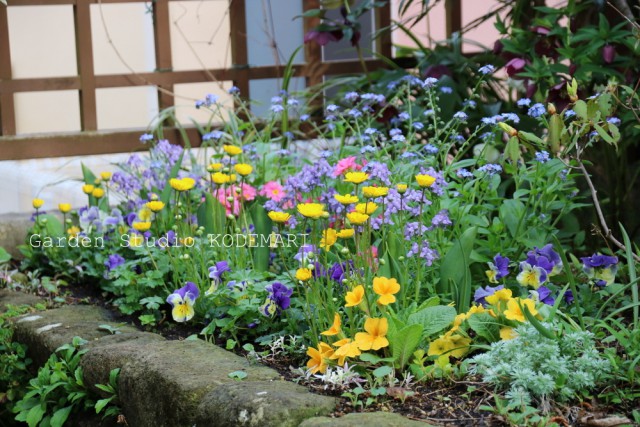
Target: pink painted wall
(433,27)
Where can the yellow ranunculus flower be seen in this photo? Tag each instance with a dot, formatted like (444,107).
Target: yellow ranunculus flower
(311,210)
(155,205)
(220,178)
(402,188)
(182,184)
(144,214)
(386,288)
(354,297)
(329,238)
(347,199)
(37,203)
(73,231)
(232,150)
(279,217)
(357,218)
(87,188)
(106,176)
(375,336)
(346,233)
(98,193)
(64,207)
(371,192)
(425,180)
(356,177)
(335,328)
(304,274)
(141,226)
(214,167)
(243,169)
(366,208)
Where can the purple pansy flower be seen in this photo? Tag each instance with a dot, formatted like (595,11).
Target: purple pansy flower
(545,258)
(182,301)
(543,294)
(114,261)
(601,269)
(481,294)
(498,269)
(216,271)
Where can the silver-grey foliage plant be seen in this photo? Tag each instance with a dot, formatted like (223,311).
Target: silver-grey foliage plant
(542,367)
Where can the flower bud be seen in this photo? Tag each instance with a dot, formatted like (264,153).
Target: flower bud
(551,109)
(382,261)
(311,266)
(344,250)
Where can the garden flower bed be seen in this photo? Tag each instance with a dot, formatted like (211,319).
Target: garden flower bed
(420,252)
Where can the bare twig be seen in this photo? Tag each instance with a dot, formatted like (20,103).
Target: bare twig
(603,223)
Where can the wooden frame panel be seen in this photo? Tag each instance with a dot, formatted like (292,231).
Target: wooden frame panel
(164,77)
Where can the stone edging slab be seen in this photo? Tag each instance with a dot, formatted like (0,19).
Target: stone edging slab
(179,383)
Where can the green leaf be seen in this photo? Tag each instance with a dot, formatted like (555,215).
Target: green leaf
(603,134)
(580,107)
(536,323)
(263,227)
(373,359)
(455,275)
(512,150)
(100,404)
(512,213)
(238,375)
(433,319)
(211,215)
(404,342)
(60,416)
(34,415)
(4,255)
(382,371)
(485,326)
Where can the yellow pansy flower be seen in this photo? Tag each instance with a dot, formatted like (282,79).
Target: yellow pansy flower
(514,312)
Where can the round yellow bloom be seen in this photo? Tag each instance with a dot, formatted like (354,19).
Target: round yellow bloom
(144,214)
(347,348)
(346,233)
(183,184)
(87,188)
(214,167)
(386,288)
(73,231)
(507,333)
(371,192)
(232,150)
(141,226)
(311,210)
(232,177)
(366,208)
(98,193)
(357,218)
(37,203)
(155,206)
(243,169)
(64,207)
(279,217)
(304,274)
(500,295)
(356,177)
(106,176)
(425,181)
(220,178)
(347,199)
(329,238)
(402,188)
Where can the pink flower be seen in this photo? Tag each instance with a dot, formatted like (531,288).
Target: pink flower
(273,190)
(346,164)
(233,206)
